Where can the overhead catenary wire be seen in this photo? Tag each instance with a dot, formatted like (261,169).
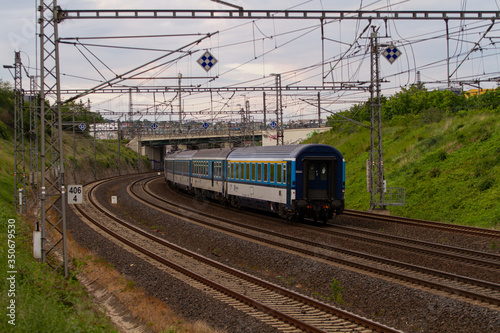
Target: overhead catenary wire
(350,62)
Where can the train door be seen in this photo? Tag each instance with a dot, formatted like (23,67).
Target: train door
(319,179)
(212,172)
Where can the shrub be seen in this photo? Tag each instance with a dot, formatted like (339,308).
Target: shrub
(486,184)
(441,155)
(435,172)
(3,131)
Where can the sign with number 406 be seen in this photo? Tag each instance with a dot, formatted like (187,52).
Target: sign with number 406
(75,194)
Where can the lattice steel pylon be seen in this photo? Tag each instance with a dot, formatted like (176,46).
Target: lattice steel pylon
(52,187)
(19,149)
(280,133)
(376,152)
(33,138)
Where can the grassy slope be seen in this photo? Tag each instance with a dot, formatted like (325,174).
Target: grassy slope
(450,169)
(45,301)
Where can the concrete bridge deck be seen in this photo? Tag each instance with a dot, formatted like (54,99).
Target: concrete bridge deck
(152,143)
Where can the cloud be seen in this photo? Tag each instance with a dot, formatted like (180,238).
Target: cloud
(248,50)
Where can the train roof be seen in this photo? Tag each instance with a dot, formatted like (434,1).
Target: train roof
(287,152)
(201,154)
(212,153)
(280,152)
(187,154)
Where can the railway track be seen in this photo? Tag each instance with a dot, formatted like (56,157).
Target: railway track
(250,293)
(427,224)
(458,254)
(452,284)
(471,257)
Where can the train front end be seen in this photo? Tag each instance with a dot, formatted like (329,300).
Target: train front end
(320,178)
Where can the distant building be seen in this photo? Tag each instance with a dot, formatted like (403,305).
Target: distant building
(472,92)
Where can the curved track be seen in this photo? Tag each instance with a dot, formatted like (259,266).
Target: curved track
(426,224)
(289,307)
(452,284)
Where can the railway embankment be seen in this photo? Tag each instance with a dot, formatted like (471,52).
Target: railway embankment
(43,300)
(448,165)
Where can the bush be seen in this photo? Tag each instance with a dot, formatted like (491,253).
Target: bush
(435,172)
(486,184)
(3,131)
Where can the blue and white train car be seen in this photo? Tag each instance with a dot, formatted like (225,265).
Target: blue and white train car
(294,181)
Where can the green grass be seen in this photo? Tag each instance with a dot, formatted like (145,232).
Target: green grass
(45,301)
(450,168)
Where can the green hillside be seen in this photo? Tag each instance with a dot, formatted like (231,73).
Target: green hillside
(41,300)
(447,157)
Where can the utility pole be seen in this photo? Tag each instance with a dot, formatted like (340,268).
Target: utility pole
(180,104)
(279,111)
(376,152)
(19,156)
(130,106)
(33,135)
(319,109)
(264,109)
(52,187)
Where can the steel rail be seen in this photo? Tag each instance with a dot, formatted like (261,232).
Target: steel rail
(433,285)
(304,299)
(427,224)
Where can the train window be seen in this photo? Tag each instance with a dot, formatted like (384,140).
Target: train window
(253,171)
(312,172)
(284,173)
(229,170)
(236,170)
(324,172)
(266,169)
(259,172)
(279,173)
(272,172)
(247,171)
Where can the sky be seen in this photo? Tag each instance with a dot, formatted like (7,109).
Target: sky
(249,51)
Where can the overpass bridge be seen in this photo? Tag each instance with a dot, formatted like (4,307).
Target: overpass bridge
(154,144)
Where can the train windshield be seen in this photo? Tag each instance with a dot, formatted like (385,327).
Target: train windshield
(319,178)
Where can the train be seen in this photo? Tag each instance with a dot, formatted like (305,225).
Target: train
(293,181)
